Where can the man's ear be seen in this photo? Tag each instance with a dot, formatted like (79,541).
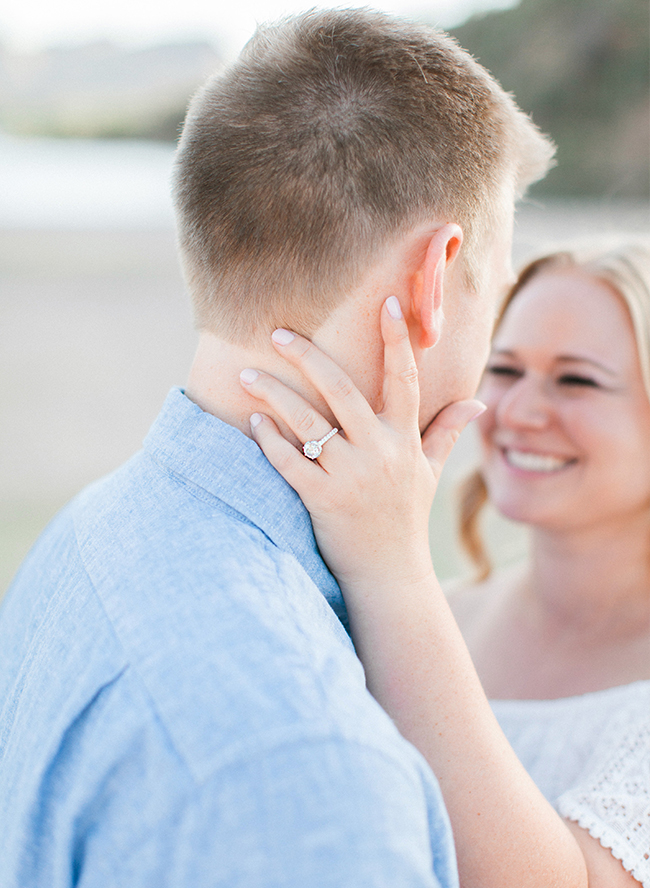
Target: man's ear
(428,290)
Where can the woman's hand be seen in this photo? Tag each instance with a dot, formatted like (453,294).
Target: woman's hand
(371,489)
(369,496)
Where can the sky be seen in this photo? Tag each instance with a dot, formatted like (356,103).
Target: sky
(27,25)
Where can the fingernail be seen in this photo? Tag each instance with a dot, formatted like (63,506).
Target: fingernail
(282,337)
(393,307)
(255,420)
(480,409)
(247,376)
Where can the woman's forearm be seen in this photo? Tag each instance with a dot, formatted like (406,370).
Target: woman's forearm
(369,502)
(418,668)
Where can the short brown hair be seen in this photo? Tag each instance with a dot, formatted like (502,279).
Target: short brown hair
(333,132)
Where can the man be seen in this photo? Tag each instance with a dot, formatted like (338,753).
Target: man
(181,703)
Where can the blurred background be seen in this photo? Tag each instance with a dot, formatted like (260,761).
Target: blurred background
(94,322)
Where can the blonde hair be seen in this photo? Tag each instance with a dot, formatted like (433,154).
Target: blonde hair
(625,265)
(332,133)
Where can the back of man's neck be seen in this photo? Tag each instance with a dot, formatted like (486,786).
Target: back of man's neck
(214,383)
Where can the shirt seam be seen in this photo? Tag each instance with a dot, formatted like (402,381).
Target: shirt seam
(314,735)
(285,736)
(128,667)
(200,493)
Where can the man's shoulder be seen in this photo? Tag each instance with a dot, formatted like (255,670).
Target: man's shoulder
(171,643)
(152,543)
(228,635)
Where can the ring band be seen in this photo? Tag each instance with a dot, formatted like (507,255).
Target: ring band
(313,449)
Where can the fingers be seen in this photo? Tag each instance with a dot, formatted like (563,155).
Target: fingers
(301,473)
(305,421)
(444,431)
(401,388)
(401,396)
(342,396)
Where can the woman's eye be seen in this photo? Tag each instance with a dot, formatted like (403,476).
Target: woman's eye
(574,379)
(503,370)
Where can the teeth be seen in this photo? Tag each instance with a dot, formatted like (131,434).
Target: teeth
(534,462)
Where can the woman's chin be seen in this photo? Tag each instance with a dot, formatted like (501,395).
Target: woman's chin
(524,510)
(535,498)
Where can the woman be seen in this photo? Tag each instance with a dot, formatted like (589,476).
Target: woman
(562,644)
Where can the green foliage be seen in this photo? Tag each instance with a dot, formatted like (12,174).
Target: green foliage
(581,68)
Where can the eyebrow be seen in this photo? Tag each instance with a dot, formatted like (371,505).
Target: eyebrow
(565,359)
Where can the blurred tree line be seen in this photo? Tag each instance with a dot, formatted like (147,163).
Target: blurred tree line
(582,69)
(100,90)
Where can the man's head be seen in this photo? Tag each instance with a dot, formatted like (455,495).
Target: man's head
(333,135)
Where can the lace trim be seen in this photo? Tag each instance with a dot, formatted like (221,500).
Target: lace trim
(612,800)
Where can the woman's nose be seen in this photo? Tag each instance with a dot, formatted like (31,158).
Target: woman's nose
(524,404)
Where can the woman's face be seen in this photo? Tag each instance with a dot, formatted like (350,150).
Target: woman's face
(566,438)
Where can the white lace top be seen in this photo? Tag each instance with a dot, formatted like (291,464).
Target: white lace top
(590,756)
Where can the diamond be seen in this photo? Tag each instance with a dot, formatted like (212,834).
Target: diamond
(312,449)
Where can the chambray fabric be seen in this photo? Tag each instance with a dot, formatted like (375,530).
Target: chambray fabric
(180,704)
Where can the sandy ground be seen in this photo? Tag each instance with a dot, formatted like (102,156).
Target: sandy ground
(95,328)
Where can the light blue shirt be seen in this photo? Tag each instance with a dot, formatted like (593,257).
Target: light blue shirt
(180,704)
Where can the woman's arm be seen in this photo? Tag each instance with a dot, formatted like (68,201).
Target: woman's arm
(369,496)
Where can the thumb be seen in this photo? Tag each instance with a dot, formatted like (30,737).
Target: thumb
(440,437)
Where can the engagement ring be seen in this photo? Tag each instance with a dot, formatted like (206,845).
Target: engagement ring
(313,449)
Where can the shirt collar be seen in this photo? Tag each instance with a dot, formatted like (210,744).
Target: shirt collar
(231,467)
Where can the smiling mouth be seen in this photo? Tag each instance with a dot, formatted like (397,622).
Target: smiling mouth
(535,462)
